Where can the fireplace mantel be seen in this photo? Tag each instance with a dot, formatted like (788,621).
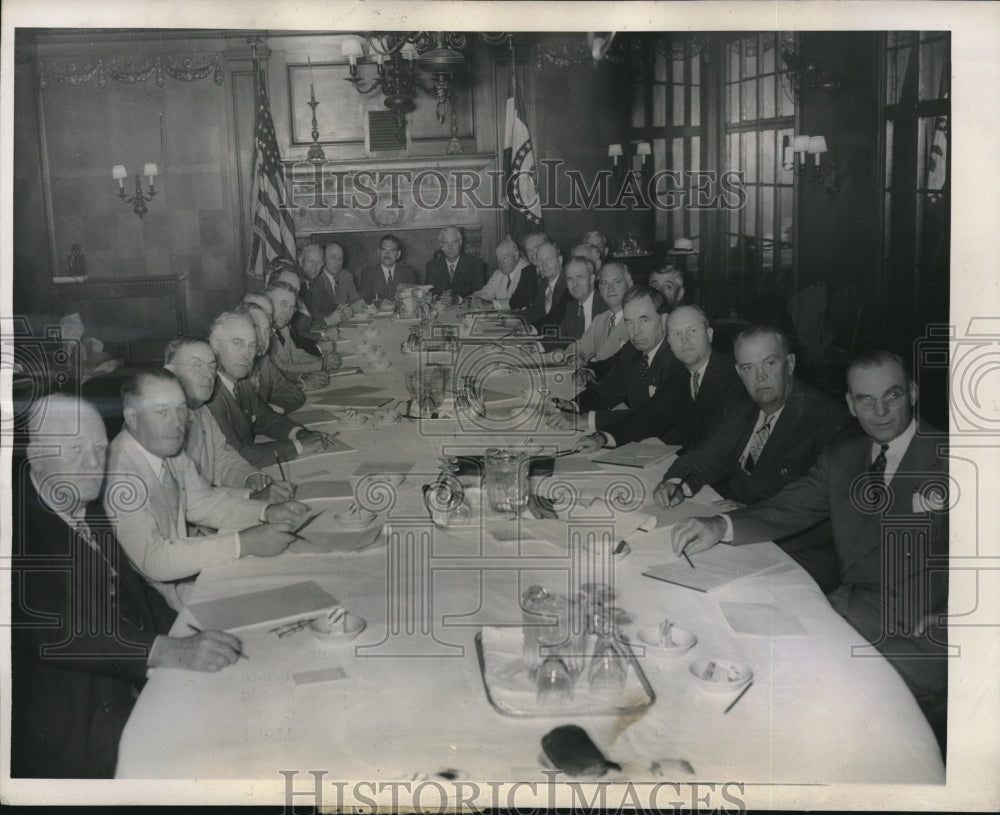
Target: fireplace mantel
(398,194)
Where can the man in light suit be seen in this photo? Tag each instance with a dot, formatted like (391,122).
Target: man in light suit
(155,490)
(239,409)
(380,281)
(514,283)
(85,627)
(192,361)
(691,401)
(587,302)
(452,270)
(638,370)
(885,492)
(292,357)
(763,445)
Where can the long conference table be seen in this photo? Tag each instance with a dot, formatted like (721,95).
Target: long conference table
(406,699)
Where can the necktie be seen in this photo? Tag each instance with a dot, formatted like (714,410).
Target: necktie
(171,491)
(644,370)
(580,314)
(611,324)
(87,534)
(548,299)
(281,339)
(451,272)
(695,384)
(757,445)
(877,468)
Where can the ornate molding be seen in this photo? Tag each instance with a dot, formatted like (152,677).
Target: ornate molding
(126,69)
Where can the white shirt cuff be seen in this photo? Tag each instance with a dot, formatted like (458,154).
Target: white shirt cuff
(591,421)
(609,440)
(684,487)
(728,536)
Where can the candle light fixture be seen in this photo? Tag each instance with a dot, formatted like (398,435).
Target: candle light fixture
(315,150)
(622,161)
(139,200)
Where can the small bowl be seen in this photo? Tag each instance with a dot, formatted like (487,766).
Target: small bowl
(362,346)
(357,420)
(596,550)
(681,640)
(720,675)
(356,519)
(344,631)
(375,354)
(381,365)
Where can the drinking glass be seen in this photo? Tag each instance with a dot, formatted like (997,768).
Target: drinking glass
(554,683)
(606,674)
(506,479)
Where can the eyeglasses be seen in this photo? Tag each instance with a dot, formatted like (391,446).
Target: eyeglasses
(242,345)
(890,400)
(200,367)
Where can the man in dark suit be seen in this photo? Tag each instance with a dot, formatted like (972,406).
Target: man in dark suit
(240,411)
(765,444)
(692,401)
(453,270)
(328,289)
(380,281)
(587,302)
(637,371)
(85,625)
(669,281)
(546,311)
(885,492)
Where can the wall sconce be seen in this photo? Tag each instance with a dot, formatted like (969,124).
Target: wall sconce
(621,169)
(119,173)
(815,146)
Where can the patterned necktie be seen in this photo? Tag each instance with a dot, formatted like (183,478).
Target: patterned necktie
(171,491)
(506,287)
(451,272)
(695,384)
(877,468)
(644,370)
(548,299)
(757,445)
(611,324)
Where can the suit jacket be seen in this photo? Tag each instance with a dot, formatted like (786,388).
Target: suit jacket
(470,275)
(216,460)
(597,344)
(808,421)
(372,281)
(676,418)
(572,325)
(622,384)
(243,416)
(153,533)
(522,295)
(322,300)
(549,322)
(289,358)
(274,387)
(892,559)
(75,666)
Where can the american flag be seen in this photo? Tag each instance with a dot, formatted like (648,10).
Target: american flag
(273,231)
(524,209)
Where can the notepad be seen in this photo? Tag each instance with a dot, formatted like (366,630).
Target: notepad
(311,490)
(312,416)
(258,607)
(345,399)
(638,454)
(715,567)
(334,446)
(681,512)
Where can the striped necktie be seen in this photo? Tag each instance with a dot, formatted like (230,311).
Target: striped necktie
(695,384)
(611,324)
(877,467)
(757,445)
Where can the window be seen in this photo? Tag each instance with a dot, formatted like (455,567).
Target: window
(759,117)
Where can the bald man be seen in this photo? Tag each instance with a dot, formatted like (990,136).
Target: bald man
(452,270)
(76,666)
(278,390)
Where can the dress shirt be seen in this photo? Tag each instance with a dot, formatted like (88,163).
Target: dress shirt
(500,287)
(587,305)
(897,447)
(761,418)
(215,458)
(700,370)
(388,274)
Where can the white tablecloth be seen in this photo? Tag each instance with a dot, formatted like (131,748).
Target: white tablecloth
(411,702)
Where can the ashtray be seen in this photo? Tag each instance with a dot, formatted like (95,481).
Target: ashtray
(677,641)
(381,365)
(720,675)
(343,630)
(354,517)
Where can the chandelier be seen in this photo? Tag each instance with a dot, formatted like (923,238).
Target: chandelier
(399,54)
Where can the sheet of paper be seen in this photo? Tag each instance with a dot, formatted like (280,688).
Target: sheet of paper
(311,416)
(762,619)
(681,512)
(390,467)
(638,454)
(312,490)
(324,537)
(255,608)
(319,675)
(715,567)
(576,465)
(335,447)
(342,398)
